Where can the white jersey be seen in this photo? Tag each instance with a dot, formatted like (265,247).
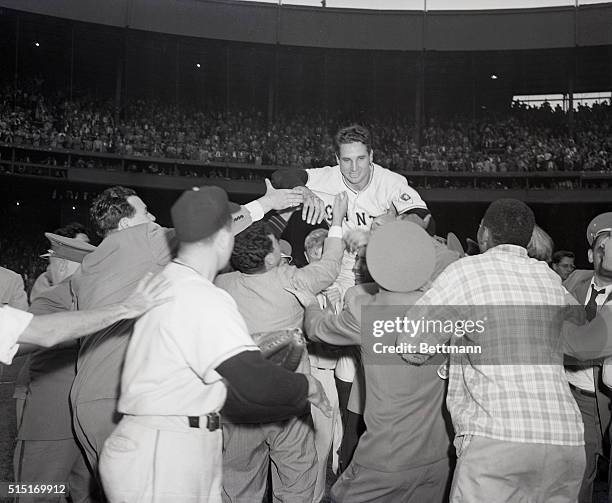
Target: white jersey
(385,188)
(170,363)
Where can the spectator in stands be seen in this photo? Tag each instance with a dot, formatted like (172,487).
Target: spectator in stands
(563,263)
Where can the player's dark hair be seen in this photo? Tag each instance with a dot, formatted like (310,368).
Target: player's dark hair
(353,134)
(109,208)
(509,221)
(558,256)
(251,247)
(71,230)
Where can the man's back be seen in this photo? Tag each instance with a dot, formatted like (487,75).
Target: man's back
(108,275)
(516,389)
(407,424)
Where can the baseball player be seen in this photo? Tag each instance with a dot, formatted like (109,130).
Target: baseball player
(372,189)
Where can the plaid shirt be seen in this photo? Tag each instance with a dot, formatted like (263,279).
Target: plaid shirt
(520,402)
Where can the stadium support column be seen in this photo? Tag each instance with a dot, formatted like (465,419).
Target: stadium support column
(71,59)
(16,74)
(273,86)
(120,87)
(570,89)
(227,77)
(419,98)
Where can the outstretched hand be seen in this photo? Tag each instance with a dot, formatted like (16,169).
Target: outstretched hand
(280,199)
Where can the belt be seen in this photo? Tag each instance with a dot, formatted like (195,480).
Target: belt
(590,394)
(213,421)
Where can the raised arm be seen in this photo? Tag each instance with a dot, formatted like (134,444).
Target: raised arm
(273,199)
(318,275)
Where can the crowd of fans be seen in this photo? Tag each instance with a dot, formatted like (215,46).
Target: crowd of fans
(524,140)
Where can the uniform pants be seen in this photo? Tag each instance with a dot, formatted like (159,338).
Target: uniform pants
(327,430)
(53,462)
(93,423)
(157,459)
(424,484)
(496,471)
(248,451)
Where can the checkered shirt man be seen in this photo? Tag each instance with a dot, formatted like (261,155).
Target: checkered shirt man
(528,402)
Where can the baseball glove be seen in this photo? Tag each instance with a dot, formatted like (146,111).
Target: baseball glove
(283,347)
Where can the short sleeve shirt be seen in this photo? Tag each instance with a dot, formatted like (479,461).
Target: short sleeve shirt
(12,324)
(175,348)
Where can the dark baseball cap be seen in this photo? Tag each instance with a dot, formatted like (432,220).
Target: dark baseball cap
(200,212)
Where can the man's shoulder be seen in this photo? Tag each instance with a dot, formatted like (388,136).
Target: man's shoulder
(8,275)
(577,279)
(387,175)
(324,179)
(227,279)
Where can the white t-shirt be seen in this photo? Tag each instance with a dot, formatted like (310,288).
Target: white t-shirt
(384,189)
(12,324)
(170,363)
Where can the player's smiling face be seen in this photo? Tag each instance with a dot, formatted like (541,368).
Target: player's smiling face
(355,164)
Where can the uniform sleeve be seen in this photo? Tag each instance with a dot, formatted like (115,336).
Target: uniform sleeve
(322,179)
(217,334)
(12,324)
(243,218)
(404,197)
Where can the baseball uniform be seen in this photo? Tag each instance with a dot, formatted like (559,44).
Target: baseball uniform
(169,375)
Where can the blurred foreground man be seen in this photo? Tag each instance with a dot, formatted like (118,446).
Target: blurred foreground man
(182,362)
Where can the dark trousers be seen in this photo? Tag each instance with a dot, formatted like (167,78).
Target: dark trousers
(352,425)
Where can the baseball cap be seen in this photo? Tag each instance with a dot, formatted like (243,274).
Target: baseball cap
(601,223)
(401,256)
(408,200)
(200,212)
(67,248)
